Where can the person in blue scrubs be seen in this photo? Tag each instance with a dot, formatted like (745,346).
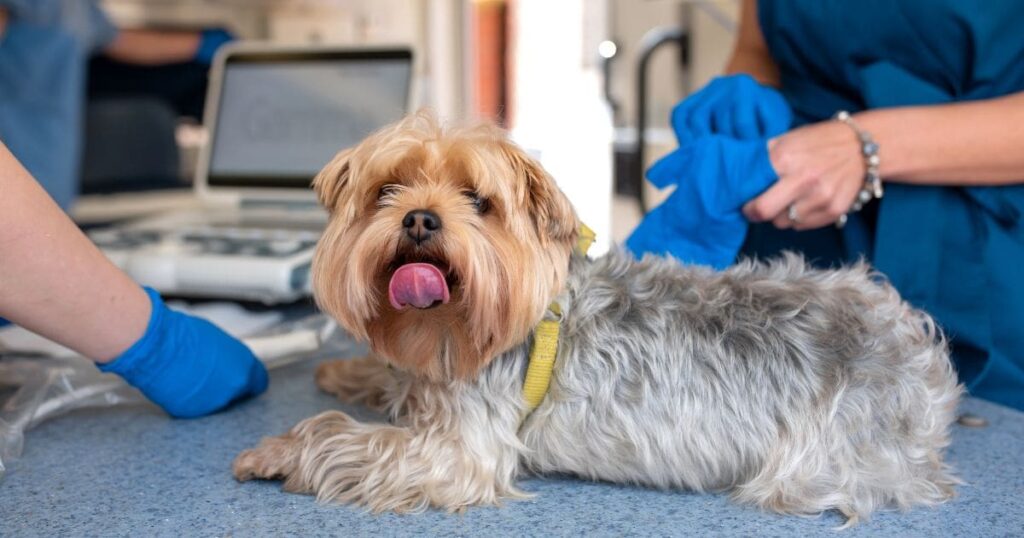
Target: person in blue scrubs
(44,46)
(937,86)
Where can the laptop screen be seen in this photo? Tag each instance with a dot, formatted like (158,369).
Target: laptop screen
(282,116)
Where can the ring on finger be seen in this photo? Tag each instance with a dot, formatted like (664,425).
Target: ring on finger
(841,221)
(792,214)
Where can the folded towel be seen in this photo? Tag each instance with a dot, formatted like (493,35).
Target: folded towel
(701,223)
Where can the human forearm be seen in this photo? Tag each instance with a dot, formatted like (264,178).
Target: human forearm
(149,47)
(3,21)
(821,168)
(750,53)
(762,68)
(972,143)
(53,281)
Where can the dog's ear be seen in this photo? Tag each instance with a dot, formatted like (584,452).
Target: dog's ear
(329,183)
(552,212)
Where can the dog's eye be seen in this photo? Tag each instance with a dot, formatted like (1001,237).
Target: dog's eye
(480,203)
(387,190)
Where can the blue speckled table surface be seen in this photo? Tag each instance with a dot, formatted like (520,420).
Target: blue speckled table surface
(134,472)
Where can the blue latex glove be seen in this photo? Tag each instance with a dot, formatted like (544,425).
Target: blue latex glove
(736,106)
(209,41)
(701,222)
(187,365)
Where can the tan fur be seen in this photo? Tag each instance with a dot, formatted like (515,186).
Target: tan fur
(423,359)
(523,242)
(365,381)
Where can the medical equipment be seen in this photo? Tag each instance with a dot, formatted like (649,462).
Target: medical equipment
(276,114)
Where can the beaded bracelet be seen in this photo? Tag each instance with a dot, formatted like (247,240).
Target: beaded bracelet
(872,187)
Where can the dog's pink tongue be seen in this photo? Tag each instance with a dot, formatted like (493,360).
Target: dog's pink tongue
(417,284)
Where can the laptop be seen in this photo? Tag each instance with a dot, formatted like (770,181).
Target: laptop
(275,116)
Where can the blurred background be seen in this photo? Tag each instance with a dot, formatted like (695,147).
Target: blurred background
(572,79)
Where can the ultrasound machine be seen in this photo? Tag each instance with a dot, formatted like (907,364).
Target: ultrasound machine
(275,116)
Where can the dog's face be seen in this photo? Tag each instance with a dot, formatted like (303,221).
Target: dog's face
(444,247)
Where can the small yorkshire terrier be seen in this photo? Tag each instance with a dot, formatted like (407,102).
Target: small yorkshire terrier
(796,390)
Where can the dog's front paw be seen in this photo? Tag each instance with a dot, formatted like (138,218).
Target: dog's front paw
(356,381)
(274,459)
(336,377)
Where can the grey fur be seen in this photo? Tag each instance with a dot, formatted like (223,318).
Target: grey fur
(795,390)
(798,390)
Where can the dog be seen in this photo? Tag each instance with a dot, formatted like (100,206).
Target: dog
(796,390)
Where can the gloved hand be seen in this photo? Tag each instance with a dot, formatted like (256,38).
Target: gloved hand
(187,365)
(209,41)
(736,106)
(701,223)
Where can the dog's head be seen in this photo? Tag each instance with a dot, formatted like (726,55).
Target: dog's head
(444,246)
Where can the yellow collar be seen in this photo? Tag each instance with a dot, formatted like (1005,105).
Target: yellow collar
(545,341)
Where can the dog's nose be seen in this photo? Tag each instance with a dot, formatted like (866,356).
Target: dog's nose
(421,224)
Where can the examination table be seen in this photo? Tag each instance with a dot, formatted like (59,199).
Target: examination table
(131,471)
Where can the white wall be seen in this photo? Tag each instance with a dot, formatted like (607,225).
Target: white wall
(560,114)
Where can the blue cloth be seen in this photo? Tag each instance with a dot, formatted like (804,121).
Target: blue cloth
(722,162)
(700,223)
(42,74)
(955,252)
(187,365)
(736,106)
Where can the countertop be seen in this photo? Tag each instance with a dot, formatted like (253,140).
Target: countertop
(132,471)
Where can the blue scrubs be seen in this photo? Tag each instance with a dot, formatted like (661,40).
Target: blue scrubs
(956,252)
(42,86)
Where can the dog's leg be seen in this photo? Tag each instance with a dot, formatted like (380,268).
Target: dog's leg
(274,459)
(365,381)
(451,452)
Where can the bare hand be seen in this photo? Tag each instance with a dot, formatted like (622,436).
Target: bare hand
(820,170)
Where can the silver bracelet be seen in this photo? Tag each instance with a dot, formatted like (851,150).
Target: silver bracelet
(872,187)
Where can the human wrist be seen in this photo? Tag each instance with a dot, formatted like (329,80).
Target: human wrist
(871,185)
(885,126)
(139,363)
(187,365)
(753,68)
(208,42)
(125,320)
